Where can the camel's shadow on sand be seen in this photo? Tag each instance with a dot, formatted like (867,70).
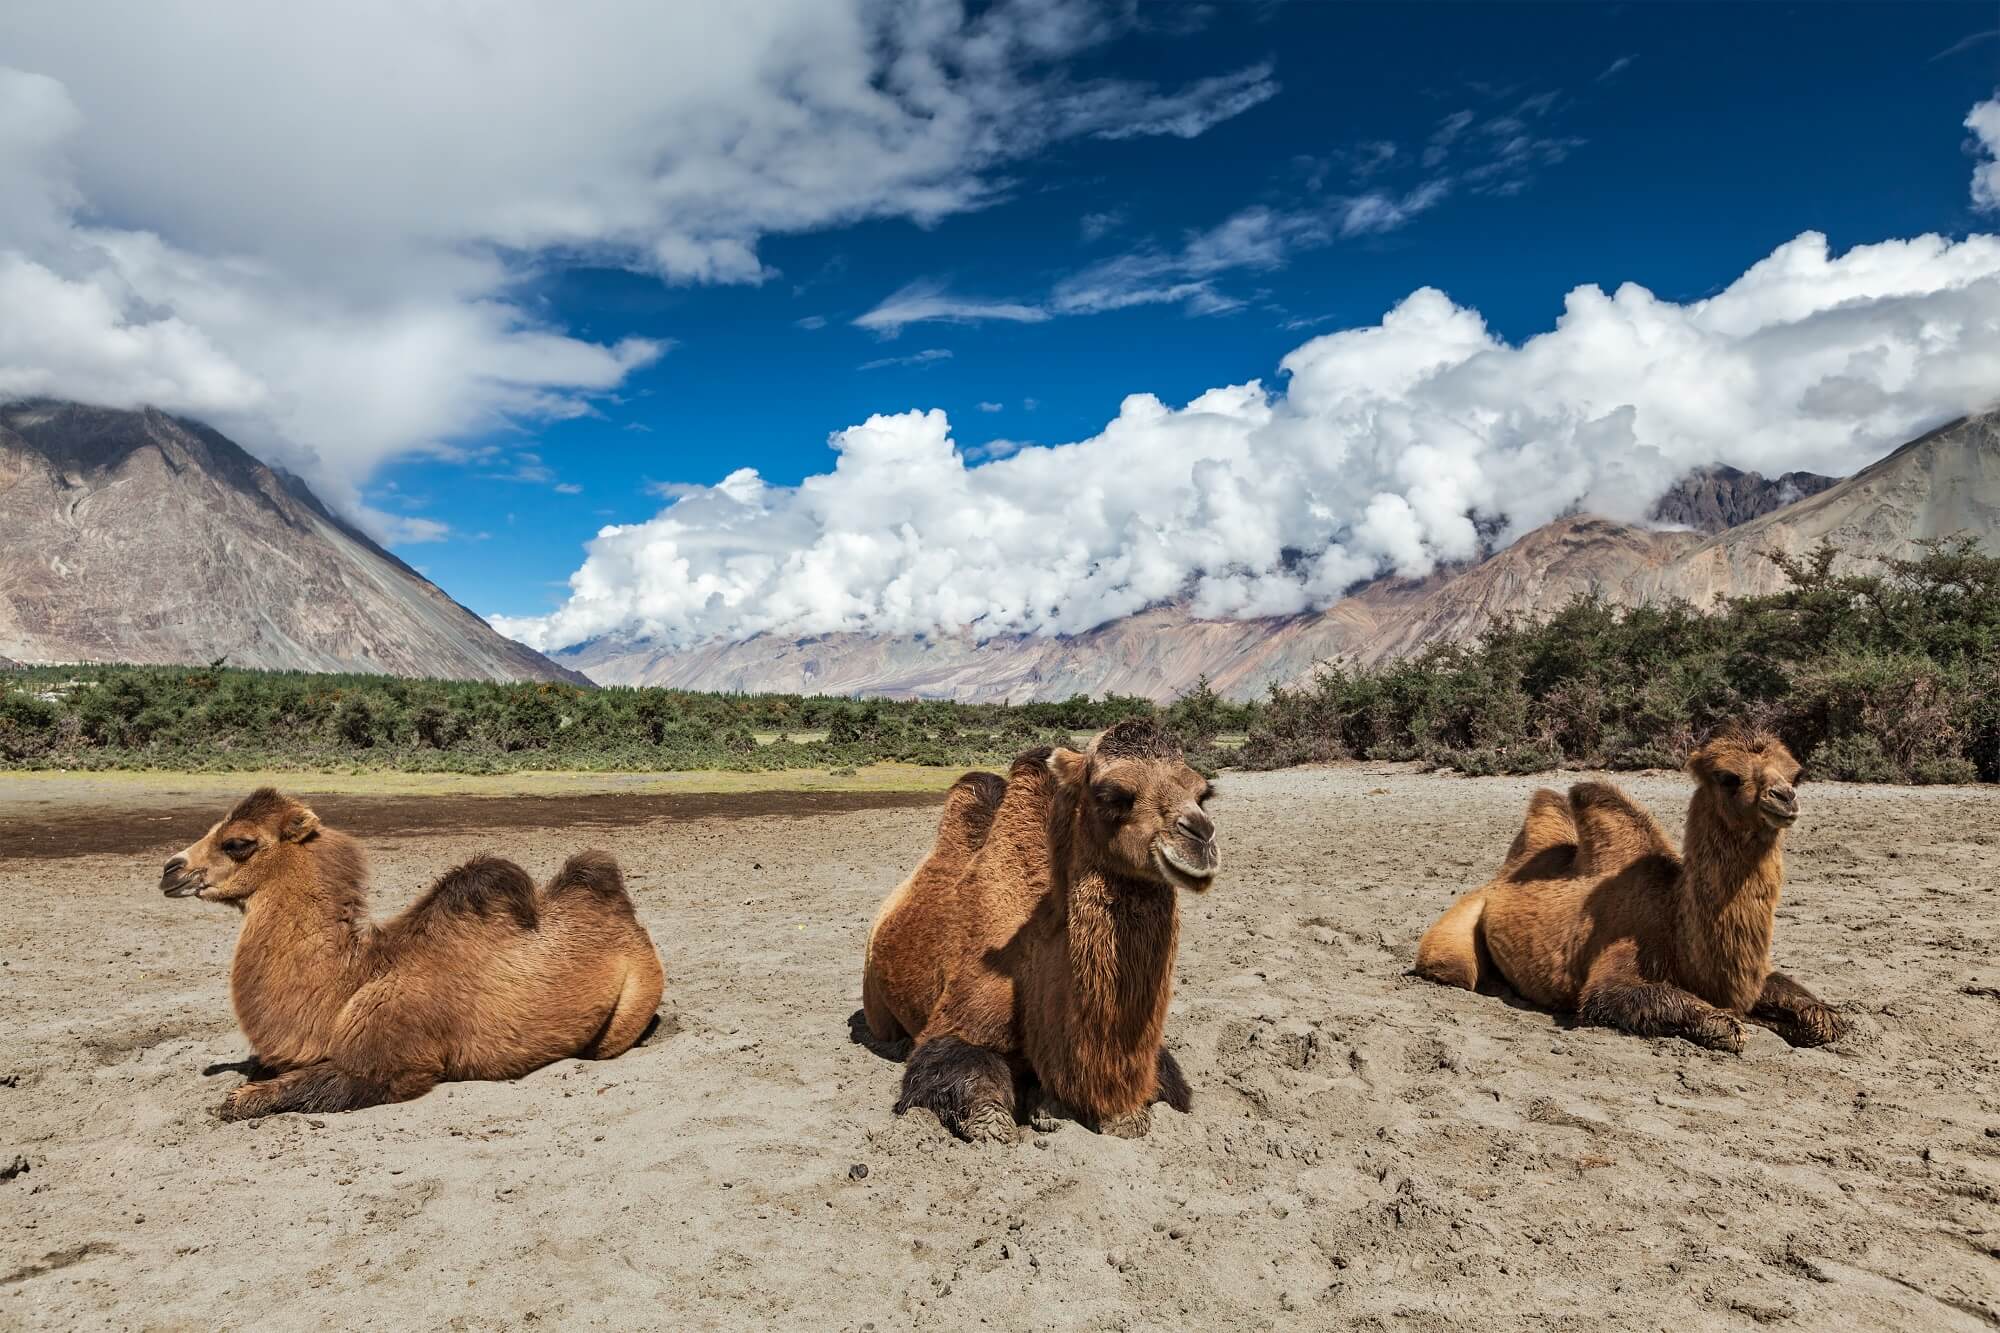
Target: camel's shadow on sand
(254,1071)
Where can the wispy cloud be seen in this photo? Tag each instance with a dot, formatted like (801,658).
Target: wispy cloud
(928,302)
(1196,109)
(1966,43)
(991,407)
(1379,211)
(811,322)
(1255,239)
(1615,68)
(1096,226)
(568,488)
(928,356)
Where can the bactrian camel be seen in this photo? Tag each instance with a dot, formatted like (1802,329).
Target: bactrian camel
(482,978)
(1037,939)
(1595,913)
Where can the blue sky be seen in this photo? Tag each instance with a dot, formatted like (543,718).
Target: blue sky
(1696,140)
(491,279)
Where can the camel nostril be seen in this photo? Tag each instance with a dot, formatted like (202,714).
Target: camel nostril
(1784,796)
(176,863)
(1197,826)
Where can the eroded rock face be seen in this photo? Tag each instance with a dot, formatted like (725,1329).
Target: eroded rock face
(1722,523)
(1711,499)
(142,537)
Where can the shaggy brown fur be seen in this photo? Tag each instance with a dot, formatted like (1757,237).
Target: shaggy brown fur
(1595,913)
(482,978)
(1038,937)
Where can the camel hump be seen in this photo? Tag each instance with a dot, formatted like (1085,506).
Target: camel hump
(483,887)
(1547,831)
(969,807)
(978,791)
(589,872)
(1612,829)
(1031,763)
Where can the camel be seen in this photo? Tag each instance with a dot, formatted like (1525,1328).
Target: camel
(1594,913)
(482,978)
(1038,936)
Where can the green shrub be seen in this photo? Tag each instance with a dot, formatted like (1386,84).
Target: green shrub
(28,725)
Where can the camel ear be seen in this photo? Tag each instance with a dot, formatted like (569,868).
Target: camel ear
(299,825)
(1068,766)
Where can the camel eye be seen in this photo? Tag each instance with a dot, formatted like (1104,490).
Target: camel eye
(1117,801)
(237,849)
(1729,781)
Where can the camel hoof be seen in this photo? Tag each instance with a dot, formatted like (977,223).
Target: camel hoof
(1720,1033)
(240,1104)
(1821,1025)
(1050,1114)
(1134,1126)
(989,1124)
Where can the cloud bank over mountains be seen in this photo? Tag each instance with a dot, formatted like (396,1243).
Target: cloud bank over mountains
(1376,453)
(314,227)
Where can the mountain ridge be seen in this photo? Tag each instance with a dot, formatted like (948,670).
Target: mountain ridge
(139,536)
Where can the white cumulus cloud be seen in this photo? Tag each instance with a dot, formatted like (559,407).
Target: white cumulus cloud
(1379,451)
(316,226)
(1984,122)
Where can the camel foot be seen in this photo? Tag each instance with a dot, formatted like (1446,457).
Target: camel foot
(1812,1025)
(1050,1114)
(988,1124)
(968,1088)
(248,1102)
(1717,1032)
(1134,1126)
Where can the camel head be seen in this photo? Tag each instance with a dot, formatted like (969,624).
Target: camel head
(1139,806)
(232,859)
(1749,777)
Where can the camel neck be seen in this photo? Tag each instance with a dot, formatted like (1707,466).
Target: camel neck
(1122,936)
(1729,888)
(301,950)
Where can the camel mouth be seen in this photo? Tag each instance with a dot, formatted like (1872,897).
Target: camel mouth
(183,886)
(1181,873)
(1778,816)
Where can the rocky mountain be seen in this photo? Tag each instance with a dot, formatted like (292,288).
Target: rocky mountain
(1722,524)
(142,537)
(1710,499)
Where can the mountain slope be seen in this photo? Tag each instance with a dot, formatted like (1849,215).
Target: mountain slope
(141,537)
(1948,481)
(1711,499)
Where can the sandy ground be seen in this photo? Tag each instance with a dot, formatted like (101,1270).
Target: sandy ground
(1365,1151)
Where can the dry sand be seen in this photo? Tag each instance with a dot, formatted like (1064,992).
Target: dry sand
(1365,1150)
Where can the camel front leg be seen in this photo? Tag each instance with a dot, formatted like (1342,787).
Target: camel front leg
(1796,1014)
(320,1088)
(1617,995)
(970,1089)
(1170,1086)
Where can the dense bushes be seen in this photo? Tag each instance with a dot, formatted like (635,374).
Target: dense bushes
(1880,677)
(1884,677)
(175,717)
